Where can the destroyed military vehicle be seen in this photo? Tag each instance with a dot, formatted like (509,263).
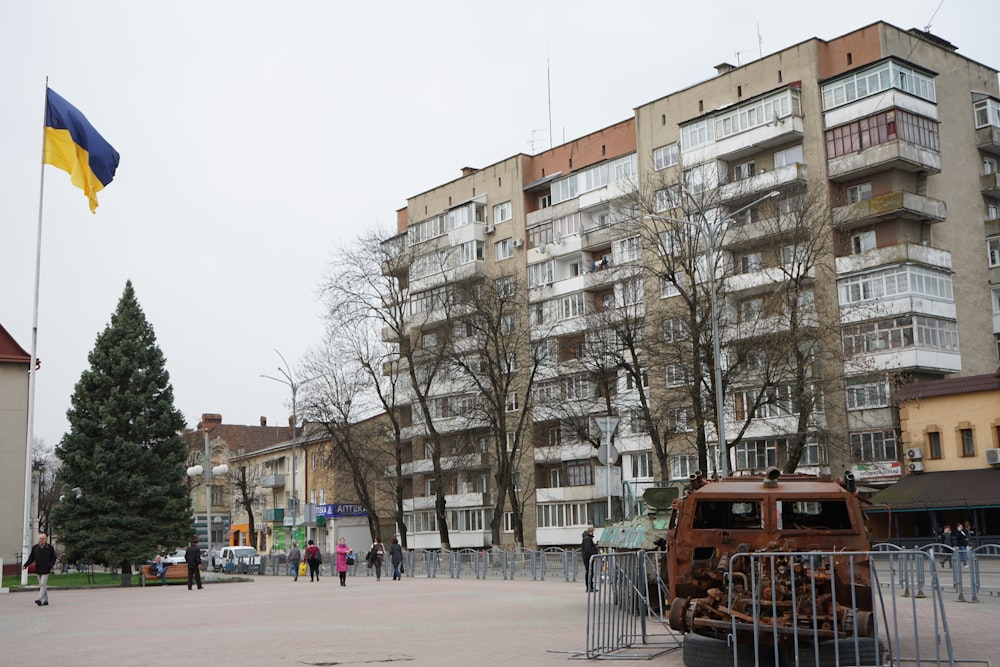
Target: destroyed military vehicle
(767,560)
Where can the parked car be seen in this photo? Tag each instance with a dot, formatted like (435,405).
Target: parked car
(175,557)
(244,560)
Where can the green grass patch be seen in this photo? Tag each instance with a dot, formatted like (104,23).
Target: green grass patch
(71,580)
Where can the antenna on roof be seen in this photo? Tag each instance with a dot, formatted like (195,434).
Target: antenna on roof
(760,41)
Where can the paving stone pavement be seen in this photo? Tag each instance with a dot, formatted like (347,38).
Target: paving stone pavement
(275,621)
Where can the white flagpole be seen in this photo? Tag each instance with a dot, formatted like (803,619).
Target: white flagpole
(28,533)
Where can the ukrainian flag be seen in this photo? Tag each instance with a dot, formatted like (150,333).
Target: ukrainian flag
(73,145)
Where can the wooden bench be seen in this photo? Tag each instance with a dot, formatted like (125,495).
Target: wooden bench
(177,573)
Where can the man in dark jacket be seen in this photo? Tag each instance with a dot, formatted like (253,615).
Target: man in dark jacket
(44,558)
(193,559)
(588,549)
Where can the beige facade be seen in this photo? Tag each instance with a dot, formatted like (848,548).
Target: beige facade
(885,139)
(14,363)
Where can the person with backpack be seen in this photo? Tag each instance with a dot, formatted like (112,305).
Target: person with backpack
(315,559)
(376,555)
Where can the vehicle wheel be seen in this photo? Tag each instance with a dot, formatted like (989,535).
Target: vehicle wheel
(701,651)
(869,652)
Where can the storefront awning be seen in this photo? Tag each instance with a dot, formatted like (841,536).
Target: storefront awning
(940,490)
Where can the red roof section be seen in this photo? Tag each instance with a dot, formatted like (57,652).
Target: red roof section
(10,351)
(949,386)
(237,437)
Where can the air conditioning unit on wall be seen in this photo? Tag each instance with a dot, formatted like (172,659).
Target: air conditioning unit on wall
(916,466)
(914,454)
(993,457)
(518,243)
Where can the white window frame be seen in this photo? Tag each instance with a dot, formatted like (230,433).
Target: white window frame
(862,242)
(790,155)
(859,192)
(666,156)
(503,212)
(504,249)
(541,273)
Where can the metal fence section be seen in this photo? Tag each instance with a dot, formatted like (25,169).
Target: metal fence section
(816,608)
(625,610)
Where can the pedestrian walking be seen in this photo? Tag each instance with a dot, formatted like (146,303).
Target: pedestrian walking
(294,558)
(193,559)
(396,558)
(342,551)
(315,559)
(588,549)
(376,556)
(961,542)
(44,557)
(945,540)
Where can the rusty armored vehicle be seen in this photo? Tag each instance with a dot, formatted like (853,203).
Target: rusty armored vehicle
(769,561)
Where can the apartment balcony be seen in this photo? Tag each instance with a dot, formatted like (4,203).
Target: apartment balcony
(274,515)
(600,278)
(898,205)
(389,335)
(897,154)
(452,273)
(910,359)
(273,481)
(453,501)
(755,280)
(896,254)
(592,238)
(781,131)
(990,185)
(566,493)
(764,182)
(988,139)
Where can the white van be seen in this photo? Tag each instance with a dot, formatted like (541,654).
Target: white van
(240,560)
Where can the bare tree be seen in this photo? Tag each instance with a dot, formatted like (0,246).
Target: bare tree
(248,496)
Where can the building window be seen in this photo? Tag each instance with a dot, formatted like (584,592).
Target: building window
(541,273)
(674,330)
(993,211)
(626,250)
(668,198)
(579,473)
(507,324)
(504,249)
(503,212)
(867,395)
(862,242)
(989,166)
(629,292)
(511,403)
(472,251)
(555,478)
(756,454)
(873,446)
(676,375)
(788,156)
(679,420)
(508,522)
(571,306)
(871,81)
(642,464)
(934,445)
(859,192)
(429,487)
(882,128)
(504,287)
(993,250)
(893,281)
(968,443)
(683,466)
(743,170)
(749,263)
(666,156)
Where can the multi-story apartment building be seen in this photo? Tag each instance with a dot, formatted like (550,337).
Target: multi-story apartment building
(14,365)
(839,190)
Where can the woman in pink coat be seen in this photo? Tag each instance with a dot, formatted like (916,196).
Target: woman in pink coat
(342,551)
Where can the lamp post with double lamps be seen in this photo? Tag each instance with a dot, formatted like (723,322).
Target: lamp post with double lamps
(205,469)
(710,232)
(288,379)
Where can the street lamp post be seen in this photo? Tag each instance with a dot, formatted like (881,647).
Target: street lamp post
(710,231)
(288,379)
(207,470)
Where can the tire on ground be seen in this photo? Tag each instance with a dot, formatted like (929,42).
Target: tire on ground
(869,651)
(701,651)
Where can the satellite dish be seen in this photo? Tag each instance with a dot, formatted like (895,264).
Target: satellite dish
(606,452)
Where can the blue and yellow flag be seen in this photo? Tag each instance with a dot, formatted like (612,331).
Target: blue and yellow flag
(73,145)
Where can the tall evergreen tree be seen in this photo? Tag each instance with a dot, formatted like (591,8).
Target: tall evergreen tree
(123,451)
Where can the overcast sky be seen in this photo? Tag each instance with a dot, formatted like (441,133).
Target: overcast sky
(256,138)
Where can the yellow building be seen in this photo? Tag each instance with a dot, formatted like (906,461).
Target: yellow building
(950,434)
